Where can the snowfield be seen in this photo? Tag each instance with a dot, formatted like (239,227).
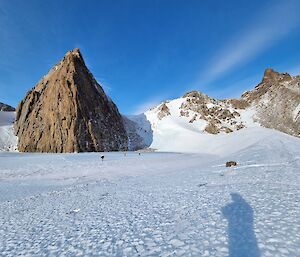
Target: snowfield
(173,131)
(156,204)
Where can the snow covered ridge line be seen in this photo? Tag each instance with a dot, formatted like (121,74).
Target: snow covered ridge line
(274,103)
(185,124)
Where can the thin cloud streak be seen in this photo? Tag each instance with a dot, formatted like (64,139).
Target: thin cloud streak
(270,26)
(143,107)
(104,84)
(236,88)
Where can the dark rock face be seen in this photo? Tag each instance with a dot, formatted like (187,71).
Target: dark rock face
(277,102)
(6,108)
(68,111)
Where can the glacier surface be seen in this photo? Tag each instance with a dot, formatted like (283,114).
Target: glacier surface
(156,204)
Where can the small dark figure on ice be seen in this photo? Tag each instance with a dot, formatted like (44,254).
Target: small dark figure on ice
(231,163)
(102,157)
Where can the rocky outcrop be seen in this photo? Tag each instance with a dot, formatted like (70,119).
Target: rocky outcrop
(277,102)
(6,108)
(221,116)
(273,103)
(231,163)
(237,103)
(68,111)
(163,111)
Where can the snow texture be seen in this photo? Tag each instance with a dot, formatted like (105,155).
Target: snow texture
(8,141)
(156,204)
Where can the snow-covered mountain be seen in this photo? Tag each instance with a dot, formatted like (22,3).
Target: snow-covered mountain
(165,204)
(196,122)
(186,125)
(8,141)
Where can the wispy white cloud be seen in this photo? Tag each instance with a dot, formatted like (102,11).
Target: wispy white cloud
(236,88)
(145,106)
(104,84)
(275,22)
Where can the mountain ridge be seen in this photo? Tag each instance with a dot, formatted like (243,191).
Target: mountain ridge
(6,108)
(68,111)
(274,103)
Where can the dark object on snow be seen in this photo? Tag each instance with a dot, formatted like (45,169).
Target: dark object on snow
(231,163)
(202,184)
(102,157)
(139,153)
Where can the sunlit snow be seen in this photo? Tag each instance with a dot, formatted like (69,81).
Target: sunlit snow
(156,204)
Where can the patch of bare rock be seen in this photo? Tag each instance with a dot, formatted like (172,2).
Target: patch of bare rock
(6,108)
(68,111)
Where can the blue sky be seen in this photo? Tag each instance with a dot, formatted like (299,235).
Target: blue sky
(146,51)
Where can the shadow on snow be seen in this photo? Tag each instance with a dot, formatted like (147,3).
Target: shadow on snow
(241,237)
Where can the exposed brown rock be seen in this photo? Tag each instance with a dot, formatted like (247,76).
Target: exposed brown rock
(184,113)
(201,106)
(68,111)
(212,128)
(163,111)
(276,100)
(237,103)
(225,114)
(271,75)
(231,163)
(226,130)
(196,94)
(271,81)
(239,126)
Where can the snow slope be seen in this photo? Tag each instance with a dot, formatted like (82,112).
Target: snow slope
(8,141)
(154,204)
(174,132)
